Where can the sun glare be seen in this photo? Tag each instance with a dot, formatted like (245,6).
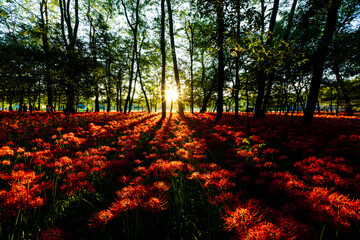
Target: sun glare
(171,95)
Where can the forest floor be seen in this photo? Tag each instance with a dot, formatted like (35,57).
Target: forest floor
(138,176)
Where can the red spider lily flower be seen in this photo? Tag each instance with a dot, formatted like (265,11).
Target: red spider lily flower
(137,181)
(137,161)
(6,151)
(124,179)
(52,234)
(133,191)
(21,197)
(74,182)
(124,204)
(195,175)
(241,218)
(20,150)
(262,231)
(155,204)
(161,186)
(6,162)
(101,218)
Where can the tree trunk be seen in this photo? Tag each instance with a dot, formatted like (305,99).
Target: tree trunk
(319,60)
(220,43)
(143,89)
(21,102)
(208,96)
(69,41)
(270,78)
(259,107)
(45,40)
(39,101)
(97,101)
(118,90)
(191,51)
(163,60)
(237,62)
(348,109)
(173,53)
(108,102)
(331,100)
(134,50)
(133,94)
(290,20)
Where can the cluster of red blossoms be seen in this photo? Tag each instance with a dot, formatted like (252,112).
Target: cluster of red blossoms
(282,182)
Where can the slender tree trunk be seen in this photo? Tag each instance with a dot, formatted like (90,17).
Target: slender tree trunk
(108,102)
(134,50)
(337,104)
(59,101)
(192,84)
(39,101)
(270,78)
(163,60)
(191,52)
(69,39)
(133,94)
(237,62)
(319,60)
(203,108)
(21,102)
(173,53)
(143,89)
(208,96)
(331,100)
(344,91)
(118,90)
(97,100)
(259,108)
(220,43)
(290,20)
(45,40)
(247,106)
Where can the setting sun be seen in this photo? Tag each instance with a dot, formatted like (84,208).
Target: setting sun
(171,95)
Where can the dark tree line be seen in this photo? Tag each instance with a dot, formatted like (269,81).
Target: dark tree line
(220,55)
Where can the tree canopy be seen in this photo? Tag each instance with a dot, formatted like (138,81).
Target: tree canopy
(220,55)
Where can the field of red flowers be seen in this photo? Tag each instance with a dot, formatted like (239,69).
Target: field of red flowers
(138,176)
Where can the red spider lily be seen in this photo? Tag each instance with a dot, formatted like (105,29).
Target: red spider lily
(156,204)
(323,172)
(262,231)
(242,218)
(103,150)
(24,192)
(164,168)
(6,162)
(218,179)
(101,218)
(6,151)
(74,182)
(334,208)
(161,186)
